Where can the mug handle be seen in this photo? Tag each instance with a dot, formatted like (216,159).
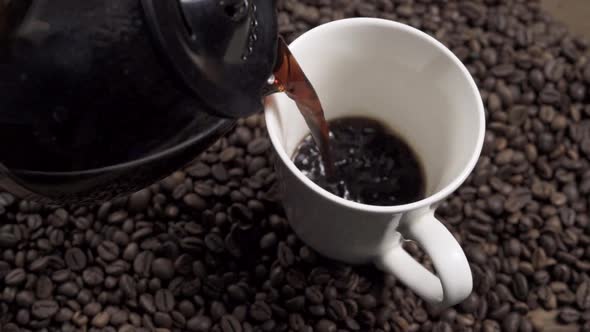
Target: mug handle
(454,282)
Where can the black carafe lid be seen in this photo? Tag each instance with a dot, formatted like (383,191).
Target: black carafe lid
(223,50)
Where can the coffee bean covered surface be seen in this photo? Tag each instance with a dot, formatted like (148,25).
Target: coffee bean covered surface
(209,249)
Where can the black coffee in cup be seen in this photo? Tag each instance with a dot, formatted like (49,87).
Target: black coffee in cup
(372,165)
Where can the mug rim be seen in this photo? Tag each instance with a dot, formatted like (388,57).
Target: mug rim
(428,200)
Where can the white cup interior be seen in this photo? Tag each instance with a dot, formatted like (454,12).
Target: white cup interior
(398,75)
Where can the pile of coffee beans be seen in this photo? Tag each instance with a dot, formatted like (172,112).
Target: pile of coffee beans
(209,249)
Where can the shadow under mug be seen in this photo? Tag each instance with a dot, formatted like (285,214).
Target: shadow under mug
(409,81)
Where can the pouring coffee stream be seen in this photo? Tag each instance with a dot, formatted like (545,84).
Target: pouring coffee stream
(99,98)
(290,78)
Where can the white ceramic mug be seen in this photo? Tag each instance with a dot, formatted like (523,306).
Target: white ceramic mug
(406,79)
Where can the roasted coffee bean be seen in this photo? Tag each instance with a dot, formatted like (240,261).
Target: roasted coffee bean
(108,251)
(75,259)
(324,325)
(93,276)
(44,287)
(128,285)
(15,277)
(260,311)
(214,243)
(470,304)
(230,323)
(44,309)
(318,310)
(140,200)
(219,173)
(142,264)
(101,320)
(194,201)
(163,268)
(520,286)
(285,255)
(512,322)
(569,315)
(503,70)
(258,146)
(164,300)
(314,295)
(92,309)
(199,324)
(337,310)
(8,240)
(146,302)
(295,304)
(39,264)
(25,298)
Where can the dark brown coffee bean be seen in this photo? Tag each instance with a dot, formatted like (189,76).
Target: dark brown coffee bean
(164,300)
(258,146)
(367,301)
(230,323)
(93,276)
(583,295)
(550,96)
(75,259)
(163,320)
(489,56)
(25,298)
(219,172)
(569,315)
(142,264)
(117,217)
(511,323)
(295,304)
(268,241)
(128,286)
(15,277)
(285,255)
(117,268)
(537,79)
(44,309)
(520,286)
(324,325)
(199,324)
(337,310)
(63,315)
(490,326)
(517,115)
(108,251)
(295,279)
(146,301)
(260,311)
(44,287)
(194,201)
(8,240)
(39,264)
(69,289)
(503,70)
(215,243)
(140,200)
(101,320)
(318,310)
(163,268)
(314,295)
(4,269)
(470,304)
(92,309)
(199,170)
